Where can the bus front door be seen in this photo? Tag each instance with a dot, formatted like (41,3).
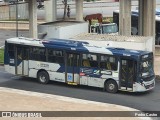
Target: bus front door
(22,54)
(72,68)
(127,74)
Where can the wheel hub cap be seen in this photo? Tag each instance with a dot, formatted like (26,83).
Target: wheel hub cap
(111,86)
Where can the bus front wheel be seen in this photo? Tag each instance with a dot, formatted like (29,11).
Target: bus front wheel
(43,77)
(111,86)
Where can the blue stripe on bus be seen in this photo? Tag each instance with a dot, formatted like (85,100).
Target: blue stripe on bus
(127,52)
(69,45)
(69,69)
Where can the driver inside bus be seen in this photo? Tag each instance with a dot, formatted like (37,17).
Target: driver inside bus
(20,55)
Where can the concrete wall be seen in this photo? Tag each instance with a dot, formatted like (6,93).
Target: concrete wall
(8,12)
(128,45)
(70,31)
(62,31)
(128,42)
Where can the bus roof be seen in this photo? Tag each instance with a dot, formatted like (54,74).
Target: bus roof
(76,46)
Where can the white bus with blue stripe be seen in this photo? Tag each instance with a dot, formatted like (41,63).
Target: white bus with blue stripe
(78,63)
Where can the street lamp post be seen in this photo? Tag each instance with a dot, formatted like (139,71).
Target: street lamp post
(17,18)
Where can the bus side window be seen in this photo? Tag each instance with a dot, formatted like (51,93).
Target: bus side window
(86,63)
(55,56)
(26,54)
(19,53)
(108,62)
(89,60)
(38,54)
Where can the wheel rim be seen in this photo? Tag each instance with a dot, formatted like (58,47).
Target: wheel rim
(111,86)
(42,78)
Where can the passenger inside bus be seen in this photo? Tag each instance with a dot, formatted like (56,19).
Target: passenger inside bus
(86,63)
(108,66)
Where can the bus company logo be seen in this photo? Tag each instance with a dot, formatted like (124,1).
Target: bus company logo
(6,114)
(21,114)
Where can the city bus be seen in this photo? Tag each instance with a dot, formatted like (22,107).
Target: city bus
(79,63)
(134,23)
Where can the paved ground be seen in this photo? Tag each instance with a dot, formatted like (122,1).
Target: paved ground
(19,100)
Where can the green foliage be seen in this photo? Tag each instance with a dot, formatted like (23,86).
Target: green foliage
(1,55)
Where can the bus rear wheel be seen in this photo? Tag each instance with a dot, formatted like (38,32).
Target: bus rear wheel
(43,77)
(111,86)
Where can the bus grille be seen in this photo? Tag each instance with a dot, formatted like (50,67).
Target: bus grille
(149,78)
(149,86)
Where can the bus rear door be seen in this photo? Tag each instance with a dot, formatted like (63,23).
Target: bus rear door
(127,74)
(72,68)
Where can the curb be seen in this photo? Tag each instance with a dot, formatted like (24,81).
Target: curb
(1,64)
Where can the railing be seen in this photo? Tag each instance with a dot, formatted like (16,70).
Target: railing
(8,12)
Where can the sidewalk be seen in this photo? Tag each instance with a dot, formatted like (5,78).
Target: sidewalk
(19,100)
(157,65)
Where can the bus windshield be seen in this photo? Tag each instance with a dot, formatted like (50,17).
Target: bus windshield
(110,28)
(146,68)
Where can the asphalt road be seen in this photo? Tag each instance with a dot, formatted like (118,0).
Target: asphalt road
(5,34)
(106,8)
(148,101)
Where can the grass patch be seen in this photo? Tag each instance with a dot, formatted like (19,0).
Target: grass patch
(1,55)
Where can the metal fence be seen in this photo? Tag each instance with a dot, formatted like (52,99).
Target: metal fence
(8,12)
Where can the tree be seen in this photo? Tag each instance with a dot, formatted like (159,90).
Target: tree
(65,8)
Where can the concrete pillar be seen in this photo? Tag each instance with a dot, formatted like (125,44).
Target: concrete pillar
(125,17)
(147,19)
(140,18)
(32,6)
(79,10)
(50,10)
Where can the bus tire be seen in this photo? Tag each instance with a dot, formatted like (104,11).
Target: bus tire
(43,77)
(111,86)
